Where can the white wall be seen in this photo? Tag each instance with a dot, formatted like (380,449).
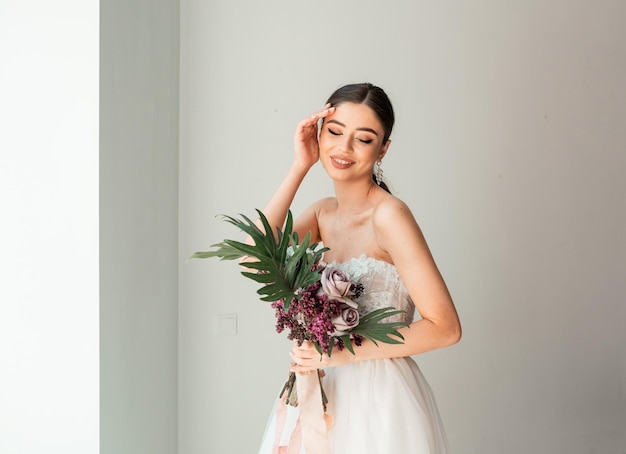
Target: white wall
(138,226)
(509,147)
(49,228)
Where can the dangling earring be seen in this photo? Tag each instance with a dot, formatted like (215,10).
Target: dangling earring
(378,173)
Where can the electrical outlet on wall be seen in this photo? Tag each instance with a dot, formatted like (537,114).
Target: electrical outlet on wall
(226,324)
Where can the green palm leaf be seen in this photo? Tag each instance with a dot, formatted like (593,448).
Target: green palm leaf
(280,274)
(372,327)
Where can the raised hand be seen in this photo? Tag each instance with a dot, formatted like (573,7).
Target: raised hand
(306,143)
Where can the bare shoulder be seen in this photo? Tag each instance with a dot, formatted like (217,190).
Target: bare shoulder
(320,206)
(324,207)
(327,203)
(309,220)
(391,211)
(395,227)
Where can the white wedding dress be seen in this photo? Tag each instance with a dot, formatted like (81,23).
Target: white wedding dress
(379,406)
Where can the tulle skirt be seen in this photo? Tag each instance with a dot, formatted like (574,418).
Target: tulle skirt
(379,407)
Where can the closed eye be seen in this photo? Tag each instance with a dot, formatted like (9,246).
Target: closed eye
(334,133)
(366,141)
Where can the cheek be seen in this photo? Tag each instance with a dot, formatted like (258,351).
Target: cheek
(325,142)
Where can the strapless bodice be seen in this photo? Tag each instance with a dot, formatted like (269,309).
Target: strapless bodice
(382,286)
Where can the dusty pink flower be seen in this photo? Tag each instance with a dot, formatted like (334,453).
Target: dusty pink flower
(336,283)
(347,318)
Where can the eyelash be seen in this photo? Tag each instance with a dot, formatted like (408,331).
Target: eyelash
(365,141)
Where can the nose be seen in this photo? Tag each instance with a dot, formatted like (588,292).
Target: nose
(346,144)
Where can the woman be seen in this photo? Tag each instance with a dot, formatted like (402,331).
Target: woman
(378,398)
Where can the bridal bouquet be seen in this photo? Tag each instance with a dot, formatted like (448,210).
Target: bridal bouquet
(314,301)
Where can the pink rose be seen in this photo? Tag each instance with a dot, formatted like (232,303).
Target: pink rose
(347,319)
(336,283)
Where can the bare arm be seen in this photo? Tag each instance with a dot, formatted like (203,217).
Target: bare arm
(306,155)
(400,235)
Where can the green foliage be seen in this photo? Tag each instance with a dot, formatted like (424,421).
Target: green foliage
(281,274)
(372,327)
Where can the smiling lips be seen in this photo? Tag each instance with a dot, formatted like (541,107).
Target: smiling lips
(341,163)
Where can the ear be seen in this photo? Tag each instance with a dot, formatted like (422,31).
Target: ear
(383,150)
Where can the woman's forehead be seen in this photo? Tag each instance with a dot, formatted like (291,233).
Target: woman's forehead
(353,115)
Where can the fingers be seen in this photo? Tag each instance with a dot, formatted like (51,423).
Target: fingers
(324,112)
(304,352)
(304,357)
(303,365)
(315,117)
(301,369)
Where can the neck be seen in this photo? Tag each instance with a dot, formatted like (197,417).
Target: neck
(353,197)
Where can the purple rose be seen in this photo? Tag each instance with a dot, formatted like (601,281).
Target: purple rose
(336,283)
(347,319)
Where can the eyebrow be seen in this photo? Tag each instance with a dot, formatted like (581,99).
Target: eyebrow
(358,129)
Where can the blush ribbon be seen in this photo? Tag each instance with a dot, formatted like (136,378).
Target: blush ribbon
(311,429)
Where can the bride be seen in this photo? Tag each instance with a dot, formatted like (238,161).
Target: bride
(378,399)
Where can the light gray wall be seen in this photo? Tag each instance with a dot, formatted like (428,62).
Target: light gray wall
(138,226)
(510,149)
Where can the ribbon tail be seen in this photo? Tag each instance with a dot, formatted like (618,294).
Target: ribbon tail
(280,417)
(312,423)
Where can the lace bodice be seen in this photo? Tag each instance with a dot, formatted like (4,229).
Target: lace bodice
(381,284)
